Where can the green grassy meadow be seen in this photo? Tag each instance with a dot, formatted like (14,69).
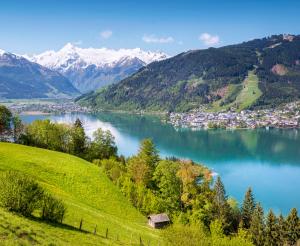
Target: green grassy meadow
(240,96)
(87,193)
(250,92)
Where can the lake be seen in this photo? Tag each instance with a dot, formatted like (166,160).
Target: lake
(266,160)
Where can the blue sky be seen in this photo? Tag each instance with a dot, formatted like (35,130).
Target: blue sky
(33,26)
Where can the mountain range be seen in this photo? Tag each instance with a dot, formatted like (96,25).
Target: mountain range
(89,69)
(21,78)
(258,73)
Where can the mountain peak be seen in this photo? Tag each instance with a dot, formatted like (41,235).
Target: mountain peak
(90,68)
(69,47)
(71,55)
(2,52)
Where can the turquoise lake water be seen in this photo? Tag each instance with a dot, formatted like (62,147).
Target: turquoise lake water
(266,160)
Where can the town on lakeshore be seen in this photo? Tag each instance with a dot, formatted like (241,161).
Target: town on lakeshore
(287,116)
(34,107)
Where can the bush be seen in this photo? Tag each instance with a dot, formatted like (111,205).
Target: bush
(19,193)
(52,209)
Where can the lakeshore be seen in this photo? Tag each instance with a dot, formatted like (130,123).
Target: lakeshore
(243,158)
(287,116)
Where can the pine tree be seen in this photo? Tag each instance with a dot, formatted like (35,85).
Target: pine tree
(248,208)
(257,226)
(271,232)
(292,227)
(281,230)
(149,153)
(78,123)
(221,206)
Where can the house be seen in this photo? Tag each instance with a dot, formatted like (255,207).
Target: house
(158,220)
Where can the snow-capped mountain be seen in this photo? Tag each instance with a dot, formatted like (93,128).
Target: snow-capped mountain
(21,78)
(89,68)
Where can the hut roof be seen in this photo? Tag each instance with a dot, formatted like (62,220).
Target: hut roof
(156,218)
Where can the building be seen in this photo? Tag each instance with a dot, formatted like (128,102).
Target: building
(158,220)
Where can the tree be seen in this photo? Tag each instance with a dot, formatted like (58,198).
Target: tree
(292,227)
(221,208)
(141,167)
(247,208)
(5,121)
(78,139)
(18,128)
(149,153)
(271,232)
(168,184)
(190,176)
(281,230)
(257,226)
(139,170)
(103,146)
(48,135)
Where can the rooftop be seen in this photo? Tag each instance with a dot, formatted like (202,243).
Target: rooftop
(156,218)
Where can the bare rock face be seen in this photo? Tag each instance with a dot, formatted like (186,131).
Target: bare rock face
(279,69)
(288,37)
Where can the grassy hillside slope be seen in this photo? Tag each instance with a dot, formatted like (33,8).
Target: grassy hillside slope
(87,193)
(240,96)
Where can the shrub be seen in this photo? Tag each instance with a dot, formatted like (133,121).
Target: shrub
(52,209)
(19,193)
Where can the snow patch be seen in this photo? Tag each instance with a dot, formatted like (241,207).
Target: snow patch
(2,52)
(71,56)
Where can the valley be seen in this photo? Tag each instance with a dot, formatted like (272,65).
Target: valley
(149,123)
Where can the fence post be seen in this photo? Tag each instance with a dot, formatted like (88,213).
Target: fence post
(80,225)
(95,230)
(106,234)
(141,242)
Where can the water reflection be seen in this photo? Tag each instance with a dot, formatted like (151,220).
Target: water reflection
(267,160)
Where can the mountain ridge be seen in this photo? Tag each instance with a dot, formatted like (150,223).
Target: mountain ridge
(21,78)
(91,68)
(210,78)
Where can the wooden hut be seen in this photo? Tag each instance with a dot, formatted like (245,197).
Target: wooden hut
(158,220)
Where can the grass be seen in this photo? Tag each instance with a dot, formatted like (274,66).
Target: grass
(240,96)
(88,195)
(250,92)
(230,96)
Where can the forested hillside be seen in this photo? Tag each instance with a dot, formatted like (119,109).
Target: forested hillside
(216,78)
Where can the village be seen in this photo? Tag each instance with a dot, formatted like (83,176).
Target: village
(47,107)
(287,116)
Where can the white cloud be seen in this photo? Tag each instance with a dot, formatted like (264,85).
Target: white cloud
(209,39)
(154,39)
(106,34)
